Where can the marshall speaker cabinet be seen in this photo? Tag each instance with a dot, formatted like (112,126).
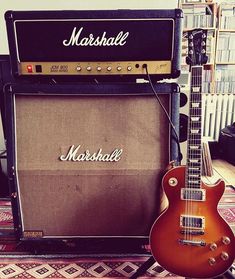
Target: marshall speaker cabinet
(96,44)
(86,160)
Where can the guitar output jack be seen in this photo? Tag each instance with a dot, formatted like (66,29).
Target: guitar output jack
(173,181)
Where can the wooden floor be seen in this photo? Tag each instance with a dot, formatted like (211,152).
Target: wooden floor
(225,170)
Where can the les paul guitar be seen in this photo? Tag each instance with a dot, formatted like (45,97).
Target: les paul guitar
(190,238)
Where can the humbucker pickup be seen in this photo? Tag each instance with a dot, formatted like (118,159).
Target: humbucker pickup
(193,194)
(194,222)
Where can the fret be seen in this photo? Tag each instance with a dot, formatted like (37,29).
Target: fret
(194,164)
(196,125)
(196,137)
(194,173)
(194,151)
(194,176)
(194,157)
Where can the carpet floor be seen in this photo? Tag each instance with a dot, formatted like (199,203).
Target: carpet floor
(16,261)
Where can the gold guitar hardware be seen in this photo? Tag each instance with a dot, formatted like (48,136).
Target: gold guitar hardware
(226,240)
(212,261)
(224,256)
(213,246)
(173,181)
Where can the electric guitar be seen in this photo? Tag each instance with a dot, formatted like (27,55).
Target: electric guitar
(190,238)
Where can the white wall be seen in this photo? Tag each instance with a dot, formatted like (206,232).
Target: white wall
(74,5)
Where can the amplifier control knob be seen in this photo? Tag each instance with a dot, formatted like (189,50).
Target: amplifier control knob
(88,68)
(129,68)
(119,68)
(98,68)
(79,68)
(109,68)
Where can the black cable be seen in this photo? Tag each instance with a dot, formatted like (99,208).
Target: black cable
(145,66)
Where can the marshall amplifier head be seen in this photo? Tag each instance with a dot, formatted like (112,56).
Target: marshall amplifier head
(86,161)
(95,43)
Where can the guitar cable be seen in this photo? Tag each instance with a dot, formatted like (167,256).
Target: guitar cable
(176,138)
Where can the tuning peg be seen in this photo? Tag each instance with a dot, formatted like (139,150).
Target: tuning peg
(188,60)
(205,59)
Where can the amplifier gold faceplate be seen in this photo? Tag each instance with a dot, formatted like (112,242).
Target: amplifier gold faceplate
(94,68)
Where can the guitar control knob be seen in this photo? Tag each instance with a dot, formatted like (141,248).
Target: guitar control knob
(226,240)
(213,246)
(119,68)
(79,68)
(109,68)
(98,68)
(88,68)
(224,256)
(212,261)
(173,181)
(129,68)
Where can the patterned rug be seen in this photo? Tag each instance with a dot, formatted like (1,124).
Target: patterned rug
(16,263)
(39,267)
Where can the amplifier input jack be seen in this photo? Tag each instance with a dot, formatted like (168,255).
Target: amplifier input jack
(144,66)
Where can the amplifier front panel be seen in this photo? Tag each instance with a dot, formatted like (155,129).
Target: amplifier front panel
(63,190)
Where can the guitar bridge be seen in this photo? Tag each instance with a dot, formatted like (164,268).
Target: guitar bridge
(192,242)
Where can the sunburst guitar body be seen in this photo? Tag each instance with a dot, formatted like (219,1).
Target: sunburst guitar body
(190,238)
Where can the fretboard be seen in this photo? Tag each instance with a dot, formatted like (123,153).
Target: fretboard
(194,146)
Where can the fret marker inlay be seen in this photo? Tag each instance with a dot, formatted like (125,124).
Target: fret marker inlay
(194,147)
(196,89)
(195,118)
(194,131)
(193,161)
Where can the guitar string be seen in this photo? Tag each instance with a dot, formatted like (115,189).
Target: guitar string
(191,142)
(188,194)
(194,81)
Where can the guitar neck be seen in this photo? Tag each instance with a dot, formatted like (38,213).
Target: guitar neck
(194,145)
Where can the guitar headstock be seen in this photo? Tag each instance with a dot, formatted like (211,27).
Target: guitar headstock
(196,47)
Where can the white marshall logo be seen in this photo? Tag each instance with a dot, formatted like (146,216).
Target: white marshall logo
(73,155)
(75,39)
